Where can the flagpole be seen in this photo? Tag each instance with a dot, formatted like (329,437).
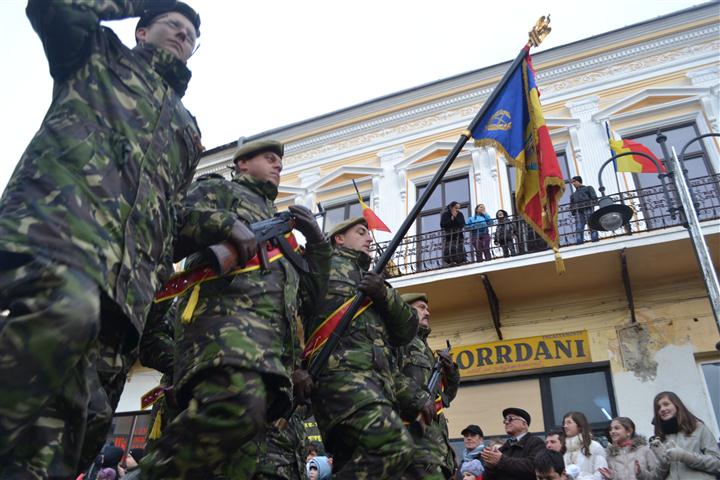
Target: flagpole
(617,182)
(372,234)
(537,34)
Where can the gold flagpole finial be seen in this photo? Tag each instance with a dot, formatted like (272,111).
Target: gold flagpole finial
(539,31)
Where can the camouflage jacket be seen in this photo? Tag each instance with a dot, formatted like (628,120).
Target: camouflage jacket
(98,185)
(248,320)
(416,361)
(359,371)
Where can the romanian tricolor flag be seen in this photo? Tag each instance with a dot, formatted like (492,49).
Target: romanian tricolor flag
(373,221)
(514,124)
(633,163)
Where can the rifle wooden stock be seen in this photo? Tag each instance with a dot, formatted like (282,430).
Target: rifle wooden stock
(224,257)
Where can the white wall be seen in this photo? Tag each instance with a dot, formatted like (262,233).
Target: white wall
(678,372)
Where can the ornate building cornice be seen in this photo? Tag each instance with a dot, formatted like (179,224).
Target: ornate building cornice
(682,46)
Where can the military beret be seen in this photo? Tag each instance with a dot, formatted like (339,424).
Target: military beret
(342,227)
(157,8)
(414,297)
(250,149)
(517,412)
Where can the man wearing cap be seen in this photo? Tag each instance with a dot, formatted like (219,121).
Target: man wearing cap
(236,336)
(87,221)
(473,443)
(434,458)
(514,459)
(353,398)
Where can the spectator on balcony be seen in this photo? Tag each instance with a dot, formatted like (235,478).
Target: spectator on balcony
(479,225)
(452,222)
(505,233)
(582,204)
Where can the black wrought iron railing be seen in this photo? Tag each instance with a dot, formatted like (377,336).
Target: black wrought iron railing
(438,249)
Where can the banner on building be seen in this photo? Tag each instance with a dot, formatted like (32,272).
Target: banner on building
(522,354)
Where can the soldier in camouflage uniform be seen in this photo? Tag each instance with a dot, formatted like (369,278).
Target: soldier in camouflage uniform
(236,339)
(353,396)
(87,221)
(434,458)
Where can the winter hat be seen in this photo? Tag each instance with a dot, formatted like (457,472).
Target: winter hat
(323,467)
(107,474)
(111,455)
(473,466)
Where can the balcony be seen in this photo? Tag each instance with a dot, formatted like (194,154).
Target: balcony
(424,252)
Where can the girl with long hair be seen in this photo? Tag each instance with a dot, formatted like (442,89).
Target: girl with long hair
(581,449)
(628,456)
(684,447)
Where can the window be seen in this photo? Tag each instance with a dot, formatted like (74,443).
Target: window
(651,197)
(546,396)
(338,213)
(430,246)
(711,371)
(130,430)
(587,391)
(566,222)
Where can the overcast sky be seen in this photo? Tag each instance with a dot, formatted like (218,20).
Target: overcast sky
(262,65)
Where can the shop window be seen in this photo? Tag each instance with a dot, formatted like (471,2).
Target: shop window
(711,371)
(589,392)
(338,213)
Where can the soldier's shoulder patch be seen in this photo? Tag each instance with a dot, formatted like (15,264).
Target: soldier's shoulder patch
(209,176)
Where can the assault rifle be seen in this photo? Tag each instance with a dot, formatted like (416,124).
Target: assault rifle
(224,255)
(434,386)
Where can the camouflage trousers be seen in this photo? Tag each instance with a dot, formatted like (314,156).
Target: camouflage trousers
(58,380)
(372,443)
(282,455)
(434,457)
(216,433)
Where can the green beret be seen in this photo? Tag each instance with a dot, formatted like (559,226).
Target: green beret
(414,297)
(342,227)
(248,150)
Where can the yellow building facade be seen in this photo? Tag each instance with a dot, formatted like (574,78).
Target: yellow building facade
(629,318)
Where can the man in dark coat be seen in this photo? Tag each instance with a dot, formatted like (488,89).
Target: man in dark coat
(582,203)
(514,460)
(87,222)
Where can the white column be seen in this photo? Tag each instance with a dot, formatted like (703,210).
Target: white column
(389,191)
(308,178)
(484,178)
(709,77)
(590,144)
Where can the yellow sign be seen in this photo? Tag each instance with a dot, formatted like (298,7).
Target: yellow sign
(522,354)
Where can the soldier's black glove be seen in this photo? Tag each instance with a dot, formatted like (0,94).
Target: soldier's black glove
(427,412)
(243,239)
(302,386)
(446,362)
(306,224)
(374,287)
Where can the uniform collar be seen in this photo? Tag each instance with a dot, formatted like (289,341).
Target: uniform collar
(361,258)
(174,72)
(424,332)
(264,188)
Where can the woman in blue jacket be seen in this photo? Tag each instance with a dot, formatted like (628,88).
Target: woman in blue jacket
(479,225)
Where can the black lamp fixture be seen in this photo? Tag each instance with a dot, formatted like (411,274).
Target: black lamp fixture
(610,215)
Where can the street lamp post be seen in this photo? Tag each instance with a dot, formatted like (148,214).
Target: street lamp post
(611,216)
